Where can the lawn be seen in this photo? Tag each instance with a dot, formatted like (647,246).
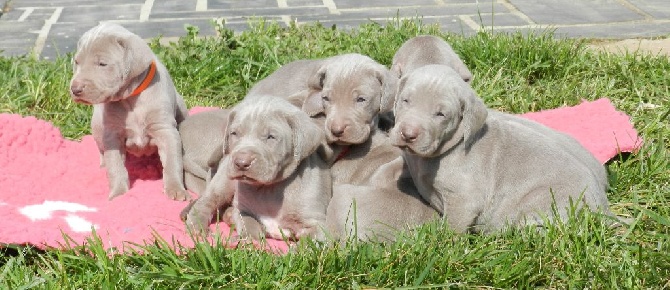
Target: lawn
(515,73)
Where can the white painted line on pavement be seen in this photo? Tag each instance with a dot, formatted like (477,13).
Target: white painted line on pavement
(469,22)
(516,11)
(44,32)
(26,13)
(330,4)
(201,5)
(146,10)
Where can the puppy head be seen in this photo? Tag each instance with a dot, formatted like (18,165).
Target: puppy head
(424,50)
(108,58)
(435,110)
(350,91)
(266,139)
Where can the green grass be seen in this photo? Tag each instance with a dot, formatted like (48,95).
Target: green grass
(514,73)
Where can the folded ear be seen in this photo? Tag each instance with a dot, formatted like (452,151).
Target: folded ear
(399,88)
(298,99)
(474,113)
(137,54)
(226,133)
(313,104)
(396,69)
(307,136)
(216,157)
(389,82)
(462,70)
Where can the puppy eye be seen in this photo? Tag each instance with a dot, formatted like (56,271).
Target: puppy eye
(325,98)
(439,114)
(360,100)
(102,64)
(76,62)
(270,137)
(406,101)
(233,133)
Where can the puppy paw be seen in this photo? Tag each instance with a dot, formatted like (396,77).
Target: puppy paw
(176,193)
(197,224)
(183,215)
(118,190)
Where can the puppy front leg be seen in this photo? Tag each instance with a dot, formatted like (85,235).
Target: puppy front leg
(218,194)
(114,158)
(170,152)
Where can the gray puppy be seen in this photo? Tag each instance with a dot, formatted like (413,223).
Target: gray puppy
(345,94)
(136,108)
(202,137)
(424,50)
(484,170)
(281,188)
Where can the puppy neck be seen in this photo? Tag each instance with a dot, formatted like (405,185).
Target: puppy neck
(457,139)
(143,81)
(147,80)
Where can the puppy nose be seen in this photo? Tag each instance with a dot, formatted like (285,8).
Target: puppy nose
(77,88)
(409,133)
(338,129)
(243,160)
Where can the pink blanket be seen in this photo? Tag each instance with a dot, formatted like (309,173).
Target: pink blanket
(50,186)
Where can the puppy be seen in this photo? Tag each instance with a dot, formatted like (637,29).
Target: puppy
(345,95)
(202,142)
(136,108)
(484,170)
(281,187)
(202,137)
(424,50)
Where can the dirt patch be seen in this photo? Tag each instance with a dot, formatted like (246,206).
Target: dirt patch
(649,46)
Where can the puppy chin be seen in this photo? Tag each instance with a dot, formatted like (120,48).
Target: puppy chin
(81,100)
(358,137)
(421,149)
(253,178)
(89,99)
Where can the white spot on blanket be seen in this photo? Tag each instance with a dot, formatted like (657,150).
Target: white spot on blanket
(44,211)
(79,224)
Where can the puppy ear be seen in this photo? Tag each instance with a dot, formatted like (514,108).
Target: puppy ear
(313,104)
(226,134)
(216,157)
(396,69)
(474,113)
(462,70)
(298,99)
(389,82)
(137,54)
(307,136)
(399,88)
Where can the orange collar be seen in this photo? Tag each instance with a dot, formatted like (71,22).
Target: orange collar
(147,80)
(342,154)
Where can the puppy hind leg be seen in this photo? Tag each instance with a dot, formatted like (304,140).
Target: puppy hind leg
(247,226)
(462,218)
